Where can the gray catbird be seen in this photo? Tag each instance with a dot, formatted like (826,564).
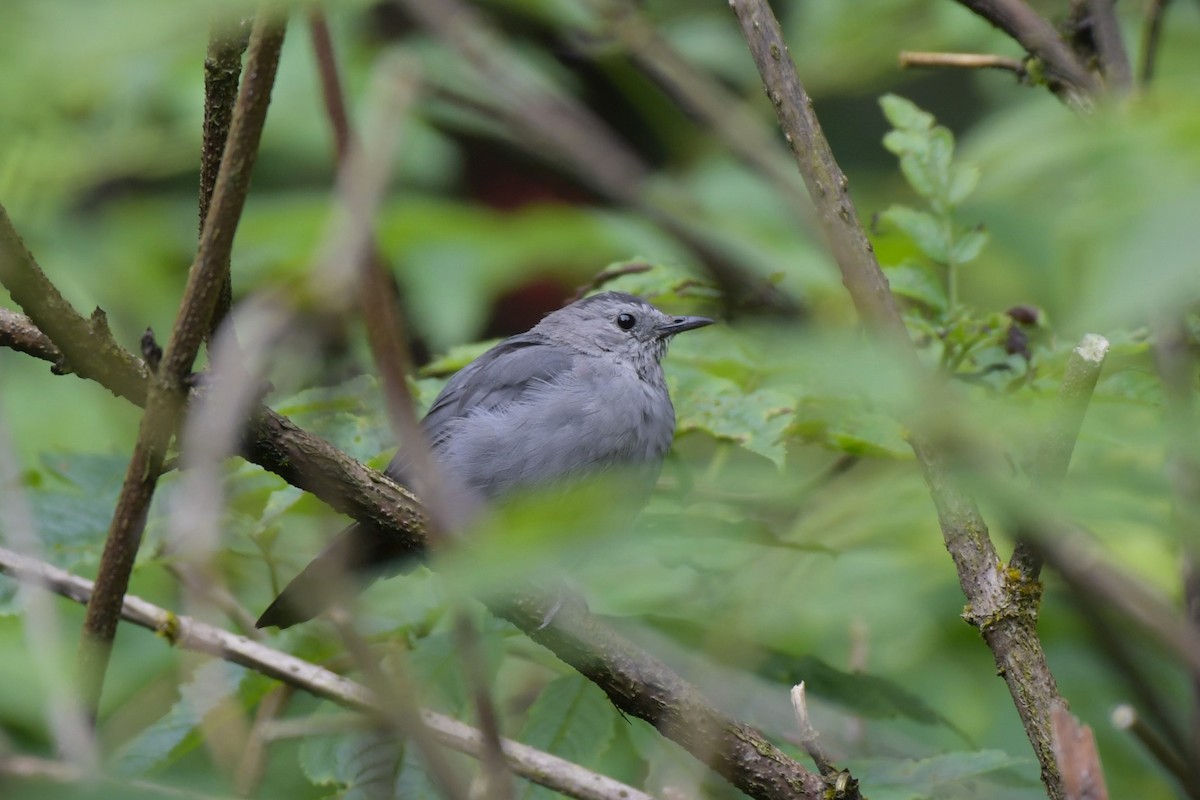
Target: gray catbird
(581,392)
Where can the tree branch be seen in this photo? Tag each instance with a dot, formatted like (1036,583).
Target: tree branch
(190,634)
(1066,77)
(911,60)
(166,399)
(635,682)
(1004,610)
(222,69)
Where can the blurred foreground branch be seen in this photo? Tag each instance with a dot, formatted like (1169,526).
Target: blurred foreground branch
(189,634)
(635,682)
(1004,610)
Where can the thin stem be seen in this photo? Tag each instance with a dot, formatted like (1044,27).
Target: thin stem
(918,60)
(193,635)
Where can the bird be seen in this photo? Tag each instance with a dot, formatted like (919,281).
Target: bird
(580,393)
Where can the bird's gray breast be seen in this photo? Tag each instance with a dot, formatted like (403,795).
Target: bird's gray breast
(598,415)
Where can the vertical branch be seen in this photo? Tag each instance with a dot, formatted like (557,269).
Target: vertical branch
(1005,614)
(165,401)
(222,69)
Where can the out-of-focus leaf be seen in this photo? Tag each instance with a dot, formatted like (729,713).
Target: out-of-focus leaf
(177,732)
(755,420)
(964,180)
(362,765)
(572,718)
(850,426)
(940,775)
(926,231)
(968,246)
(914,282)
(904,114)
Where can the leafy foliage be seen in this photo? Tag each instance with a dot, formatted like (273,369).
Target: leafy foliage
(789,538)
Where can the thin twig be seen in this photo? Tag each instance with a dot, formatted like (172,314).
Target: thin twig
(1049,467)
(1065,75)
(42,769)
(189,634)
(1156,13)
(912,60)
(1006,615)
(1125,718)
(808,734)
(166,398)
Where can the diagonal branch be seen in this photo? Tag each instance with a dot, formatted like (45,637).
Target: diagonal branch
(635,682)
(1066,77)
(1004,610)
(190,634)
(166,399)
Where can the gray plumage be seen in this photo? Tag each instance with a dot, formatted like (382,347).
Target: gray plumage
(581,392)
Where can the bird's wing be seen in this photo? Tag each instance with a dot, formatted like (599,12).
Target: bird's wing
(495,379)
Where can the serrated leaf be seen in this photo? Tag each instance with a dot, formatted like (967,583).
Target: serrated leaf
(909,779)
(177,732)
(925,230)
(363,764)
(755,420)
(968,246)
(413,782)
(905,114)
(572,718)
(914,282)
(849,425)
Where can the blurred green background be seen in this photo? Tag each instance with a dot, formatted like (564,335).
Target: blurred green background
(759,562)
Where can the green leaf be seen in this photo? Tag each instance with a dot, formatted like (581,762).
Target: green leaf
(968,246)
(904,114)
(914,282)
(572,718)
(964,178)
(755,420)
(926,231)
(363,764)
(177,732)
(911,779)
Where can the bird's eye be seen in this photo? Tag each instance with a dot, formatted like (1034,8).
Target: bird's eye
(625,321)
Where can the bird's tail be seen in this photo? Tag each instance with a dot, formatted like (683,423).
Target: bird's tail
(352,561)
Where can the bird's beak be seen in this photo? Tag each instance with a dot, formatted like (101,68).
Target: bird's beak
(681,324)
